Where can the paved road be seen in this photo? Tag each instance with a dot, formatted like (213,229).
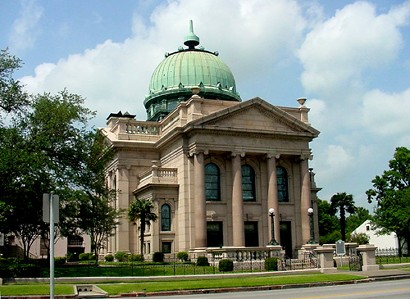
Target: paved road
(397,289)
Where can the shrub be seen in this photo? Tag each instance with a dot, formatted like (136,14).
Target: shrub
(13,267)
(225,265)
(60,260)
(271,264)
(182,256)
(86,256)
(71,257)
(121,256)
(109,258)
(360,238)
(158,257)
(136,258)
(202,261)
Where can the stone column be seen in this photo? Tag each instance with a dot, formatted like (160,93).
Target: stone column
(305,199)
(326,259)
(368,253)
(200,201)
(273,201)
(238,227)
(123,229)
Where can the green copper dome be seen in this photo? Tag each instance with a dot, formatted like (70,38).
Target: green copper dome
(180,71)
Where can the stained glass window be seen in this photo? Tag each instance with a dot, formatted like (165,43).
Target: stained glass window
(248,183)
(282,182)
(212,182)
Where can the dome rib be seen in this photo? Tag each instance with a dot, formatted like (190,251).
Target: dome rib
(173,78)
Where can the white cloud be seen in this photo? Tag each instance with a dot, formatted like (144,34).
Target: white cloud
(317,113)
(387,114)
(338,158)
(335,53)
(113,73)
(25,30)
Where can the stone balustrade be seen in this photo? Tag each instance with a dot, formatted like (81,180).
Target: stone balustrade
(158,175)
(244,254)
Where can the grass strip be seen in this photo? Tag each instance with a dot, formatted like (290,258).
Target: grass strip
(171,285)
(34,289)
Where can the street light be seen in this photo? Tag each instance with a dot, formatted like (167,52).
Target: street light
(312,232)
(272,215)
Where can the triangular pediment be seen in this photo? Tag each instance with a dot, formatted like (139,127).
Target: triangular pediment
(258,116)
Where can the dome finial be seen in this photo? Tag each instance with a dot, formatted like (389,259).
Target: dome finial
(191,40)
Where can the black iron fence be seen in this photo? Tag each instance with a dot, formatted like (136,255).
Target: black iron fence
(390,256)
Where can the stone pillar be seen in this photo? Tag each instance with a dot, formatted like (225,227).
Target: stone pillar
(326,259)
(305,199)
(123,229)
(200,201)
(238,226)
(368,253)
(273,201)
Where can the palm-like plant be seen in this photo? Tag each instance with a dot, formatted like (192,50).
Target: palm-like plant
(142,210)
(344,203)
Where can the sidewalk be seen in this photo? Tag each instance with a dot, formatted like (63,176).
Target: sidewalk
(382,274)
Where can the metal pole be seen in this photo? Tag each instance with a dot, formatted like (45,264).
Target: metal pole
(51,242)
(272,220)
(312,230)
(272,215)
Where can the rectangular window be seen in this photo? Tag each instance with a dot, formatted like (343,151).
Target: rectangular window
(214,234)
(166,247)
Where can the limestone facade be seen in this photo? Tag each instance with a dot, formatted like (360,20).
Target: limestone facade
(213,169)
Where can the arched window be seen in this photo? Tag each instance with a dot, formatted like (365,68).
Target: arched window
(165,217)
(212,182)
(248,183)
(282,181)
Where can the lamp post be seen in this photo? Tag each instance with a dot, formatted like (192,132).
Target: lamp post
(312,232)
(272,216)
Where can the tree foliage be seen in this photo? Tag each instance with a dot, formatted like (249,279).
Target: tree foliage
(329,227)
(50,147)
(391,192)
(142,210)
(343,203)
(12,96)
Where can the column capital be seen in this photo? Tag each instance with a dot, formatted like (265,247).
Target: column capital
(306,156)
(272,155)
(234,154)
(197,151)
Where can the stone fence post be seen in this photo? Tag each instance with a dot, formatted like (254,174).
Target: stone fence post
(326,259)
(368,253)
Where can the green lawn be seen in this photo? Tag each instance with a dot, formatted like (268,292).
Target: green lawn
(126,269)
(153,286)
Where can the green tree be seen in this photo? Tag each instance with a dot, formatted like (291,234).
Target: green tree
(343,203)
(391,191)
(142,210)
(328,223)
(49,147)
(12,96)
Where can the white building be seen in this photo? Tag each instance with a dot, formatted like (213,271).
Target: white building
(389,241)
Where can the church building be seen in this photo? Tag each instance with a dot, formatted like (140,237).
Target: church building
(214,166)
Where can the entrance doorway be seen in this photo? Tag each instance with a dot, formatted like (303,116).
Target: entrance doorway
(251,234)
(214,234)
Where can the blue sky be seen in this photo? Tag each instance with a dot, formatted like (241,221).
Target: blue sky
(350,59)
